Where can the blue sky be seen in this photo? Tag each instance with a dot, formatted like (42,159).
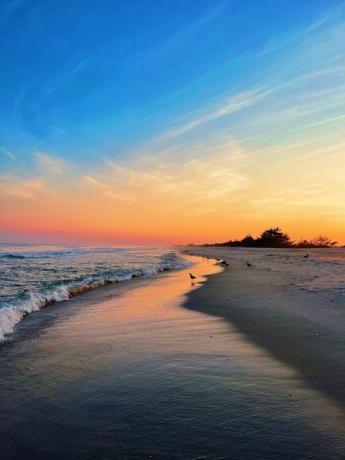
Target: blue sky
(89,84)
(84,78)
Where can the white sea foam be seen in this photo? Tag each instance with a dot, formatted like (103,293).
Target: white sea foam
(13,312)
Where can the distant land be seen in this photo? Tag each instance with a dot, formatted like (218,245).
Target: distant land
(275,238)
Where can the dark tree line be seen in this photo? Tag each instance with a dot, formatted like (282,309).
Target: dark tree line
(275,238)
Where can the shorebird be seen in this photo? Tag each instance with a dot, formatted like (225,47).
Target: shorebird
(249,264)
(192,277)
(306,256)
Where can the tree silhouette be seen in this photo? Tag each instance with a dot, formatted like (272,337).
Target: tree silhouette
(274,238)
(248,241)
(323,241)
(303,243)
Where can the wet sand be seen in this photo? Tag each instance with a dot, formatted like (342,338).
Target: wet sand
(301,329)
(127,372)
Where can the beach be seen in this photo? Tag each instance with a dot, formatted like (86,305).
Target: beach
(161,368)
(172,230)
(290,305)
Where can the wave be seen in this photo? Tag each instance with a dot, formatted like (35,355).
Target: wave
(58,253)
(12,256)
(12,313)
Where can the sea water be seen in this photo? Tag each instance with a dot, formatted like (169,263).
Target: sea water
(34,276)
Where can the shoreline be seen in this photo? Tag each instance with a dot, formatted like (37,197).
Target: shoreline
(126,371)
(31,323)
(11,315)
(289,326)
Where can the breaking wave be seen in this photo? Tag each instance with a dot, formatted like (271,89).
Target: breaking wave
(28,302)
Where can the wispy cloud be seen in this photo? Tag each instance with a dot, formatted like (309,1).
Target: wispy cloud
(19,187)
(192,182)
(47,164)
(7,153)
(186,34)
(276,43)
(231,105)
(324,122)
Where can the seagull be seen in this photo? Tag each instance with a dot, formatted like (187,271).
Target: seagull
(192,277)
(306,256)
(249,264)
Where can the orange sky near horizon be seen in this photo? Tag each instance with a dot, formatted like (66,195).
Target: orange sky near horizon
(221,196)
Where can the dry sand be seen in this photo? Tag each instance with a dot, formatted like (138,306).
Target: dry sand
(273,304)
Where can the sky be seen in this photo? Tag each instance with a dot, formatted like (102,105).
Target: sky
(171,121)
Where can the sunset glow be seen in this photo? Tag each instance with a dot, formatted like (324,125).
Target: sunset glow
(200,129)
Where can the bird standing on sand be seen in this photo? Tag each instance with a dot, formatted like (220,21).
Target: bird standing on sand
(192,277)
(249,264)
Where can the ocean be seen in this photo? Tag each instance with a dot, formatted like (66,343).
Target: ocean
(34,276)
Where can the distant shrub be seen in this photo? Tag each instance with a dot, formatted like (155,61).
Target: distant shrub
(323,241)
(275,238)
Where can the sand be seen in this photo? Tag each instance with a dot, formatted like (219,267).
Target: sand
(269,303)
(128,372)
